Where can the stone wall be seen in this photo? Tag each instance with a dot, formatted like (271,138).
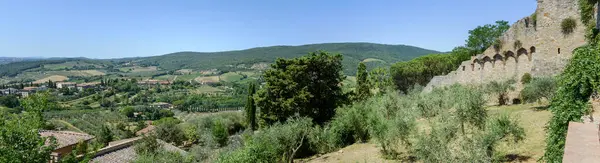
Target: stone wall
(544,49)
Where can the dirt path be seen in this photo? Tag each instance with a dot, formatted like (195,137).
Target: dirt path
(366,152)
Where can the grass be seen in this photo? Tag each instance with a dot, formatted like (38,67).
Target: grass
(231,77)
(207,79)
(206,89)
(53,78)
(373,60)
(534,121)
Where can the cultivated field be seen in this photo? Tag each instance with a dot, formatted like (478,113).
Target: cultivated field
(207,79)
(53,78)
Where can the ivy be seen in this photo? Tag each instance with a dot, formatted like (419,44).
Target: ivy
(575,86)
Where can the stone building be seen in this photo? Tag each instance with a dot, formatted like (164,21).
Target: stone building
(536,47)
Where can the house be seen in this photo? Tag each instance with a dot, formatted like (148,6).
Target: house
(9,91)
(83,86)
(67,141)
(66,85)
(124,151)
(162,105)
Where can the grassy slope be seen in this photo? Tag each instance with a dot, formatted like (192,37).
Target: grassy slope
(529,150)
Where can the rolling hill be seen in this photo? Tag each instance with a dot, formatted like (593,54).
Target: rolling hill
(353,54)
(374,54)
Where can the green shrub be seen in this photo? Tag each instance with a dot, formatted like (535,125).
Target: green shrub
(279,143)
(220,134)
(526,78)
(500,89)
(147,145)
(517,44)
(539,88)
(568,25)
(170,132)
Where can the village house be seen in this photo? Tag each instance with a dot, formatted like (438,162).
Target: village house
(66,85)
(162,105)
(84,86)
(66,140)
(9,91)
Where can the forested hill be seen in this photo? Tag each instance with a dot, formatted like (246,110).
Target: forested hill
(373,54)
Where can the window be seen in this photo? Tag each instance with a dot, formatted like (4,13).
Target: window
(558,50)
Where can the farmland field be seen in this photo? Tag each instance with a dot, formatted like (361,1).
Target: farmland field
(373,60)
(207,79)
(231,77)
(53,78)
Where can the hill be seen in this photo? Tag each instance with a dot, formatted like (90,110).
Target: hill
(353,53)
(5,60)
(375,55)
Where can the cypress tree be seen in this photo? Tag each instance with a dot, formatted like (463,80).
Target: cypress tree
(362,85)
(251,107)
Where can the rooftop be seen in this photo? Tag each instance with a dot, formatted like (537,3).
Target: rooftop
(65,138)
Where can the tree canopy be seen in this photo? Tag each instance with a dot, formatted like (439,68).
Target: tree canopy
(484,36)
(308,86)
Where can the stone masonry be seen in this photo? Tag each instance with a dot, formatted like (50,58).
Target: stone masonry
(544,49)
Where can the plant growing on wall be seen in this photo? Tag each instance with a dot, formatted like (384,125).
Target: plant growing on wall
(497,45)
(568,25)
(571,101)
(517,44)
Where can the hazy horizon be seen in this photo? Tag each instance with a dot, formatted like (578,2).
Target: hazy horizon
(123,29)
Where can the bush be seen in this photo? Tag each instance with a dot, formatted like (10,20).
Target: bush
(500,89)
(147,145)
(539,88)
(170,132)
(526,78)
(568,25)
(220,134)
(279,143)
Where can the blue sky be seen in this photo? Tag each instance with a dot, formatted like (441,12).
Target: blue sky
(128,28)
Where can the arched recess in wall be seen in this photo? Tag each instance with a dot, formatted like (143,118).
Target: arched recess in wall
(475,61)
(507,56)
(486,61)
(521,52)
(531,51)
(498,58)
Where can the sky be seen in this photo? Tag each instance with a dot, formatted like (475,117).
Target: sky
(131,28)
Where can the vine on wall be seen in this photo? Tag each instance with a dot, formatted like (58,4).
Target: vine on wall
(575,86)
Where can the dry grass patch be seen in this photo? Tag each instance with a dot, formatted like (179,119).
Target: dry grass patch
(53,78)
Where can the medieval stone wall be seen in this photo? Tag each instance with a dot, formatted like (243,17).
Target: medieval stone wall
(544,49)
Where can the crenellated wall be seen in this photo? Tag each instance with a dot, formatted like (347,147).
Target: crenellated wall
(544,49)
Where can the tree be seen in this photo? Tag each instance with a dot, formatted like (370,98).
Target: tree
(501,89)
(170,132)
(380,78)
(10,101)
(363,90)
(219,133)
(308,86)
(20,140)
(105,135)
(468,103)
(484,36)
(251,107)
(147,145)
